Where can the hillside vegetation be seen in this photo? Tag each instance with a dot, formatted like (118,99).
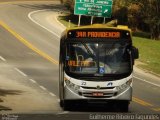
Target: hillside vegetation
(140,15)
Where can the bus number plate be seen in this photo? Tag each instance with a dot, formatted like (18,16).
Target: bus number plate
(97,94)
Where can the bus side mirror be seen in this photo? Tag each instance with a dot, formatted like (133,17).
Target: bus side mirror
(135,52)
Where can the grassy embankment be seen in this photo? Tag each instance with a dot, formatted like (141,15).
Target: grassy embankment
(149,50)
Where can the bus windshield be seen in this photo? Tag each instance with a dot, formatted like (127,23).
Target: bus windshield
(98,58)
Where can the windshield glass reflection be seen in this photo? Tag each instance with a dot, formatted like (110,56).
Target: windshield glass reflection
(92,58)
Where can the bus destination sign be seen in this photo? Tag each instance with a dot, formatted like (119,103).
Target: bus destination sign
(94,34)
(90,34)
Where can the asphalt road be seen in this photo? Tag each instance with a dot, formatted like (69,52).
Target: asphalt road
(29,41)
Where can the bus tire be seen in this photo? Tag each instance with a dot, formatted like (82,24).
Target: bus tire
(66,105)
(61,103)
(125,106)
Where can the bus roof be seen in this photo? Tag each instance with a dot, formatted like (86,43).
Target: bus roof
(65,33)
(120,27)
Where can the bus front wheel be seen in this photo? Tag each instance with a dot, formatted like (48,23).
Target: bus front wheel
(66,105)
(124,106)
(61,103)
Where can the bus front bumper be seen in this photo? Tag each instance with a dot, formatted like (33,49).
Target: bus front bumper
(112,94)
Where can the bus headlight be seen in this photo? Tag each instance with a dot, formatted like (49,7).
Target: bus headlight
(71,85)
(124,86)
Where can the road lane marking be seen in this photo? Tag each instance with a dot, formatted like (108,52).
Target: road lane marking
(4,3)
(22,73)
(33,12)
(156,109)
(137,100)
(32,47)
(25,42)
(146,81)
(33,81)
(28,44)
(61,113)
(2,59)
(52,94)
(43,88)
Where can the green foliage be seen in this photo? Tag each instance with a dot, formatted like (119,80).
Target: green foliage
(69,4)
(137,14)
(141,34)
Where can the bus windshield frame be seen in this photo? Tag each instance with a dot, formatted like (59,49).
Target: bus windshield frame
(113,48)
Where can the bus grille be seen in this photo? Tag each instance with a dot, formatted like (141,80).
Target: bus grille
(97,92)
(96,88)
(90,94)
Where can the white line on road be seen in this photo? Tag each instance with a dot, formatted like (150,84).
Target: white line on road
(52,94)
(146,81)
(22,73)
(2,59)
(42,87)
(29,16)
(33,81)
(65,112)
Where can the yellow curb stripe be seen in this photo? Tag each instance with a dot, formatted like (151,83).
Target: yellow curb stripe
(26,43)
(156,109)
(137,100)
(3,3)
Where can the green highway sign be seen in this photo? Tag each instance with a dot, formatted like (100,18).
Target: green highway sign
(99,8)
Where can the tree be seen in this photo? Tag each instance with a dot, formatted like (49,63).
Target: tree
(152,18)
(69,4)
(138,14)
(120,11)
(134,15)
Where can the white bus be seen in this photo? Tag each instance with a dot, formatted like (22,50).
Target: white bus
(96,65)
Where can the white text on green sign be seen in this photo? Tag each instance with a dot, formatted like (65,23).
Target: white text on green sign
(104,2)
(93,9)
